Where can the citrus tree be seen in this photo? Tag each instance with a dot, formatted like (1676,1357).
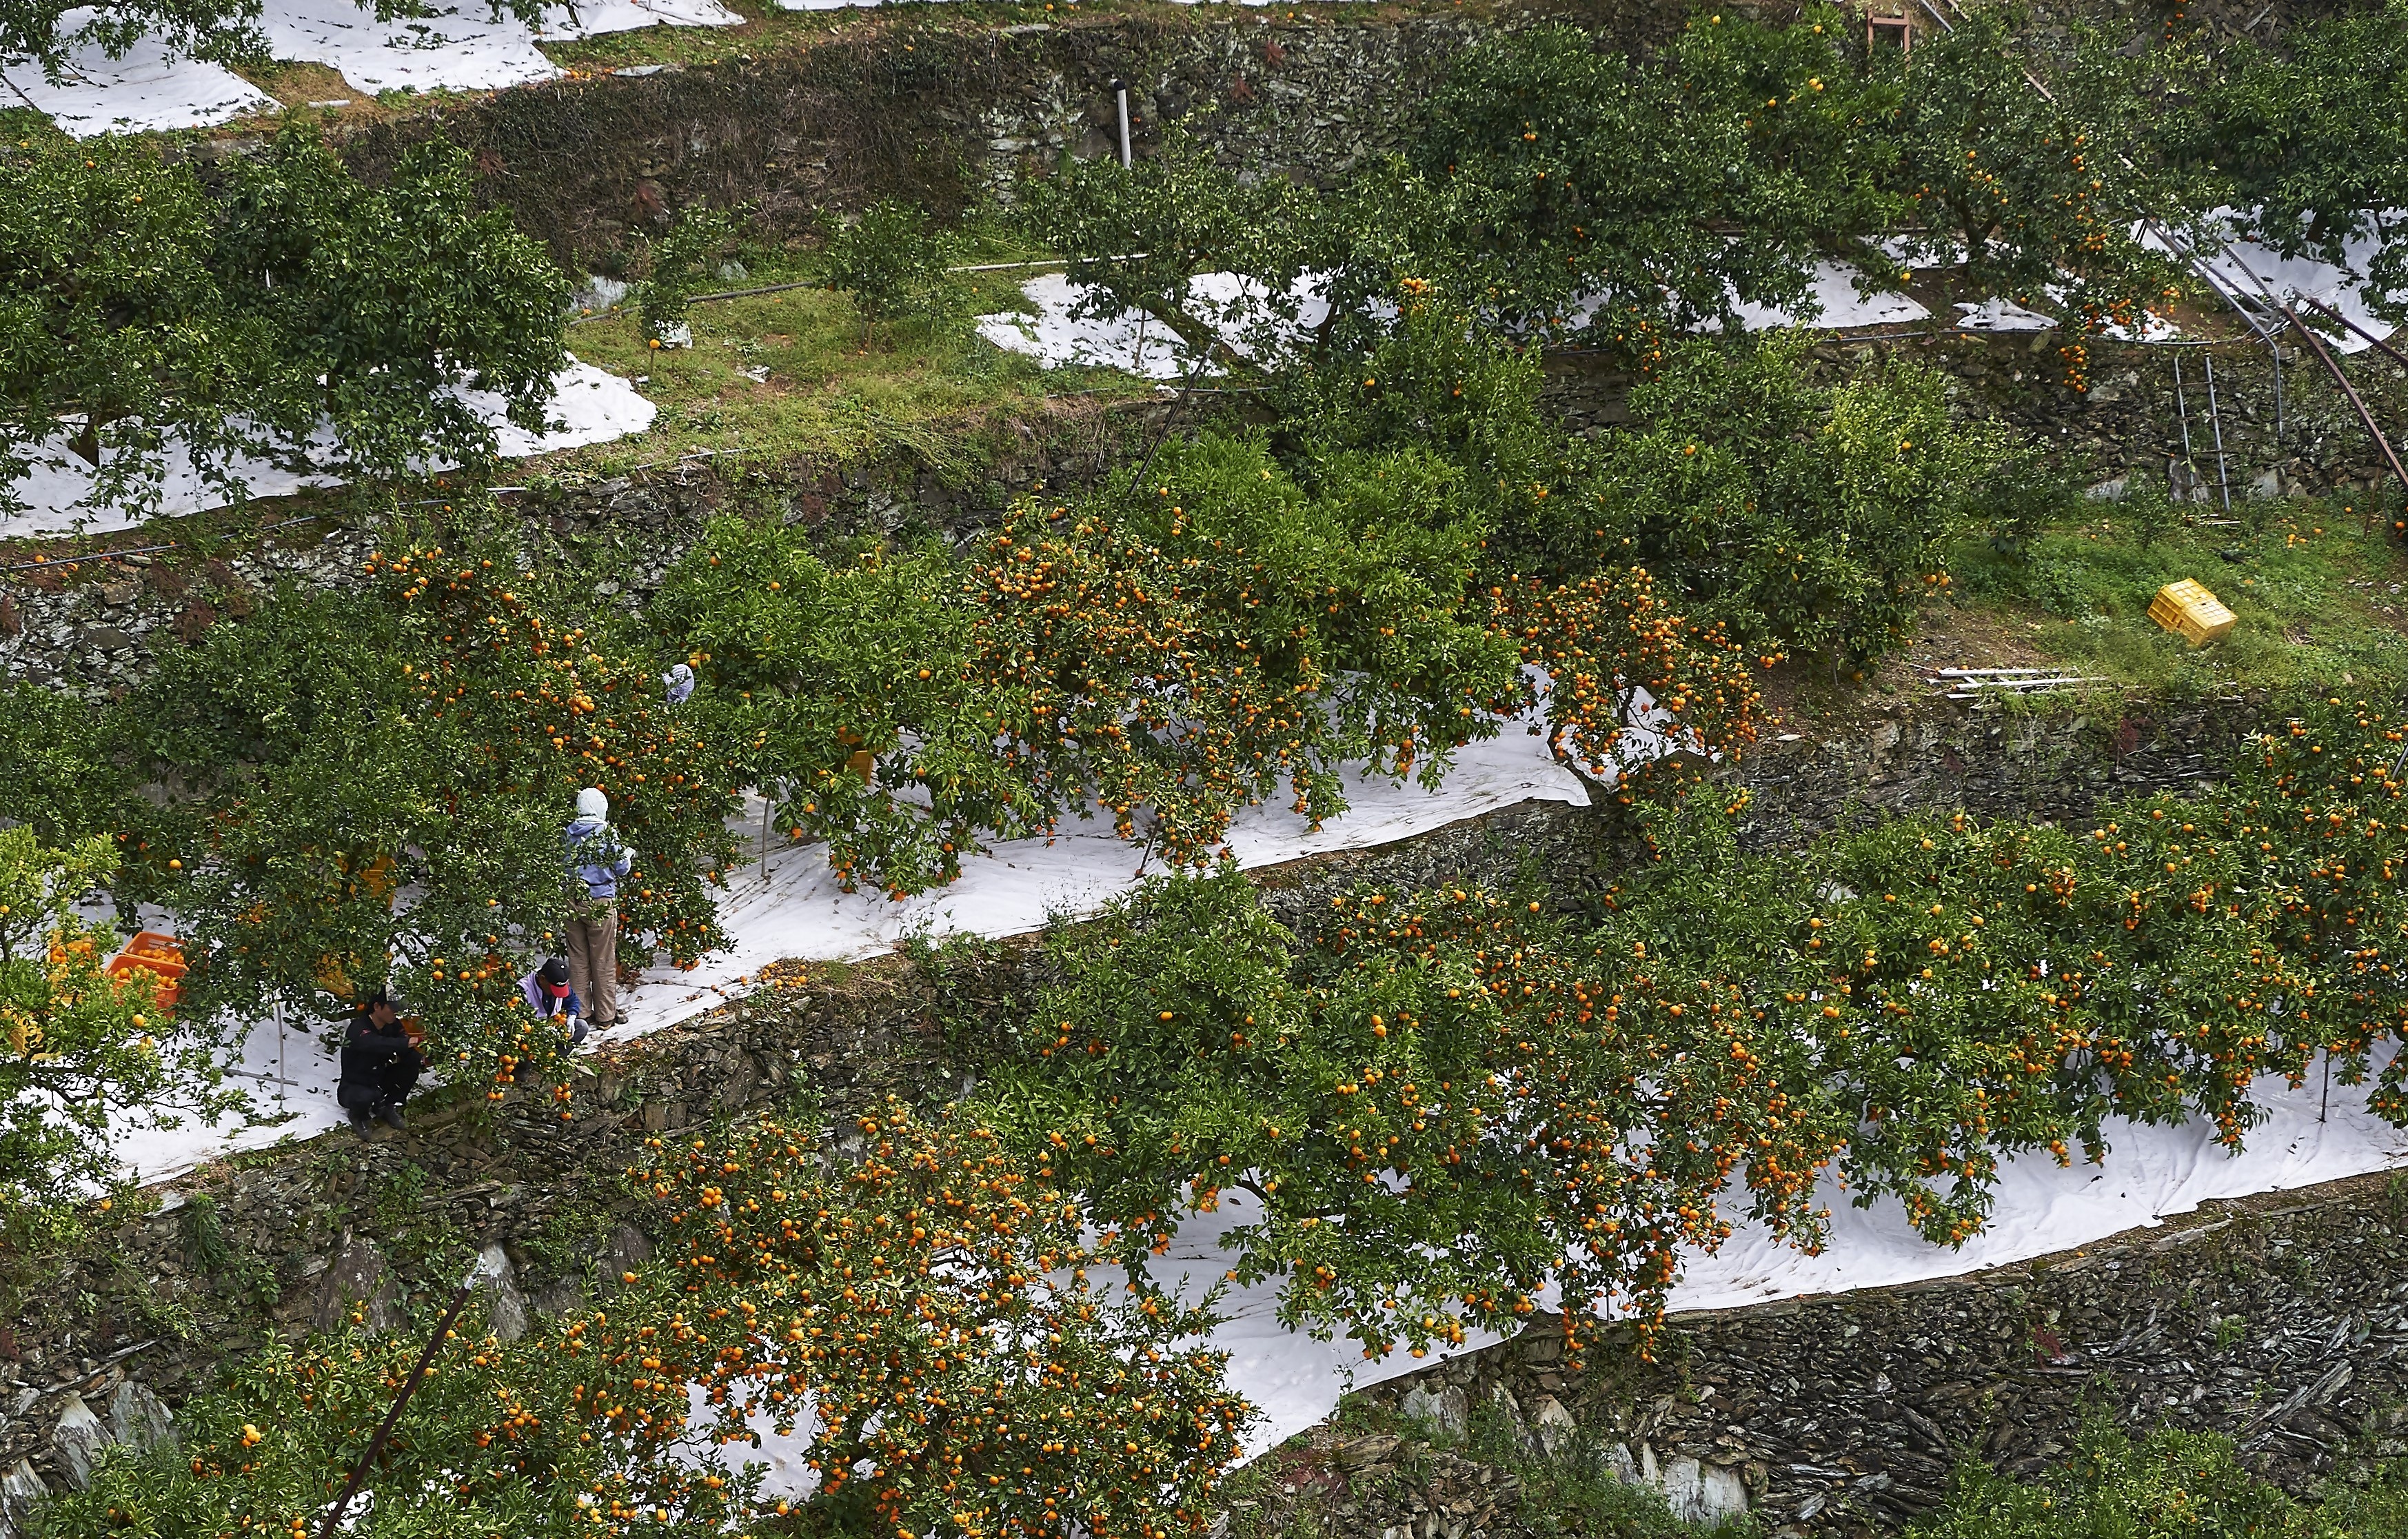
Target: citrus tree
(576,1431)
(59,781)
(1139,235)
(683,263)
(917,1309)
(1972,991)
(892,259)
(1429,1106)
(370,786)
(2030,166)
(47,31)
(1220,635)
(1599,194)
(80,1048)
(2314,141)
(290,311)
(1802,517)
(910,1313)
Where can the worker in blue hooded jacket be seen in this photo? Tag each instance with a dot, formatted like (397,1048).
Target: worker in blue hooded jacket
(599,858)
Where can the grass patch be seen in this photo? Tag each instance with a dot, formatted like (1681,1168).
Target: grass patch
(2319,599)
(2168,1484)
(796,375)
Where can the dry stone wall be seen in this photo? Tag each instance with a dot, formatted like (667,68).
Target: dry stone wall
(2281,1321)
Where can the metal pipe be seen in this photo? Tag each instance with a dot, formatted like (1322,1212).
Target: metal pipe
(2182,415)
(2276,349)
(2364,416)
(1120,94)
(2378,343)
(2215,420)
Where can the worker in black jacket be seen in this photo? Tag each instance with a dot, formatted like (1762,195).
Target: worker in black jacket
(381,1064)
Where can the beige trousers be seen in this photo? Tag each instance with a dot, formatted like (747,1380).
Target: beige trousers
(593,961)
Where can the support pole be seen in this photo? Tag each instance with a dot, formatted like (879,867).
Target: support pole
(2276,349)
(1120,94)
(392,1416)
(2349,390)
(2182,415)
(2215,420)
(2372,340)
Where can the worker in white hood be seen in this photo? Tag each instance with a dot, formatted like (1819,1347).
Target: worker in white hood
(599,858)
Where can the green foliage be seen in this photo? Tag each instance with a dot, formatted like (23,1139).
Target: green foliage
(683,263)
(59,780)
(1223,635)
(1561,193)
(1141,234)
(1596,195)
(912,1308)
(2029,166)
(1435,1104)
(223,32)
(565,1433)
(2170,1484)
(138,309)
(1800,518)
(1409,1102)
(2313,140)
(80,1050)
(2018,503)
(1973,991)
(1435,383)
(892,260)
(834,659)
(47,31)
(924,1316)
(428,732)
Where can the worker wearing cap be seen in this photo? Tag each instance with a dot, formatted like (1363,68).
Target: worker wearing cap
(548,994)
(380,1064)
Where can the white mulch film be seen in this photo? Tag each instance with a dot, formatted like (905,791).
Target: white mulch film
(2150,1173)
(588,405)
(1138,344)
(457,44)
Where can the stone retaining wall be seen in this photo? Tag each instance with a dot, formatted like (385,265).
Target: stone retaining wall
(946,112)
(2280,1320)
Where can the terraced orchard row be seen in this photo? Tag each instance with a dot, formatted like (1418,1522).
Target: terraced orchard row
(1433,1104)
(277,306)
(1236,622)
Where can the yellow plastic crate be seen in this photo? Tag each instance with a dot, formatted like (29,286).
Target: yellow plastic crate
(2191,612)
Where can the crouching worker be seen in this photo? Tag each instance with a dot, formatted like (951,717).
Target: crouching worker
(381,1064)
(548,993)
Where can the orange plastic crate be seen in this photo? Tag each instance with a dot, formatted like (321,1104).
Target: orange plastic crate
(160,955)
